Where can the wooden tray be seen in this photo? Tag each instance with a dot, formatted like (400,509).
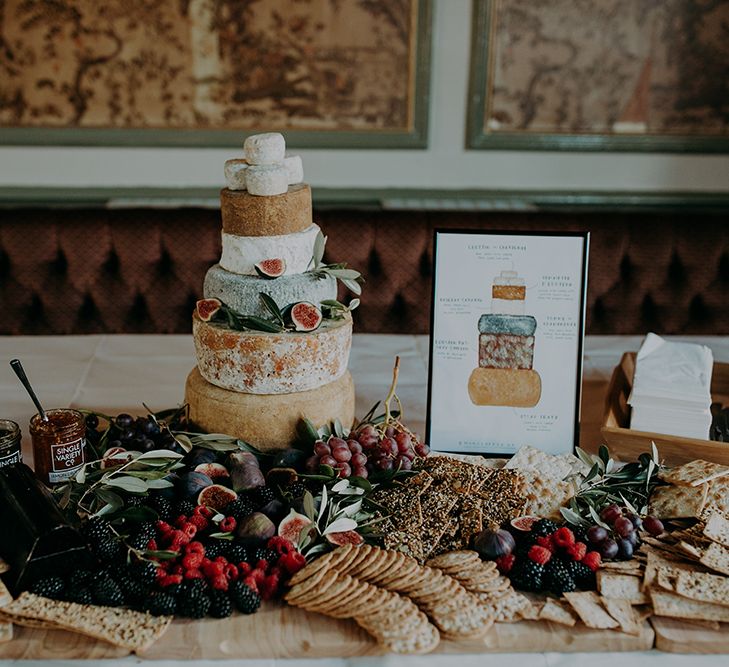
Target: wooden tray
(627,444)
(277,631)
(675,635)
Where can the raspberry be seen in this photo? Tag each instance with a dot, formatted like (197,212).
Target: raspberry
(177,568)
(152,545)
(193,574)
(269,587)
(280,545)
(539,555)
(195,547)
(577,551)
(251,583)
(563,537)
(262,565)
(170,580)
(505,563)
(292,562)
(199,521)
(228,524)
(180,521)
(231,572)
(192,561)
(546,542)
(201,510)
(163,527)
(219,583)
(592,560)
(245,569)
(190,530)
(213,569)
(258,576)
(160,574)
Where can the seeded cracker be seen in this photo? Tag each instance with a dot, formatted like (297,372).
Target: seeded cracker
(502,497)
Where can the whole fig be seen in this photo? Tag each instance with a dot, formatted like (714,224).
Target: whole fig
(255,527)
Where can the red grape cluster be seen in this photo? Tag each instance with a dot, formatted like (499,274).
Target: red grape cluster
(367,451)
(625,526)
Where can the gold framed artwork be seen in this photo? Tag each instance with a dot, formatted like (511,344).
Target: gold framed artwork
(625,75)
(329,73)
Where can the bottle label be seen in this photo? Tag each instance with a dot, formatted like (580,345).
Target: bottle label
(7,458)
(66,459)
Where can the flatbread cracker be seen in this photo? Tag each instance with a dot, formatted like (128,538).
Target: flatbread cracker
(695,473)
(703,587)
(591,612)
(675,606)
(622,611)
(678,502)
(716,526)
(716,557)
(545,496)
(557,612)
(718,494)
(621,586)
(535,460)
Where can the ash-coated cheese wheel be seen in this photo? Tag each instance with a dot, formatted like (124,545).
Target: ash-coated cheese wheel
(243,293)
(505,386)
(517,325)
(294,168)
(235,174)
(267,180)
(245,214)
(240,254)
(257,362)
(266,148)
(267,421)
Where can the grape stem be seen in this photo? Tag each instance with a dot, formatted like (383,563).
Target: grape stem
(391,393)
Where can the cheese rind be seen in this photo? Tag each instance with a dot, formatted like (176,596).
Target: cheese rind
(267,180)
(267,421)
(256,362)
(265,148)
(505,386)
(243,293)
(240,254)
(294,168)
(247,215)
(235,174)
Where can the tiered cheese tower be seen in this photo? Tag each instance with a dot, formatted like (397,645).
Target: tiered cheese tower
(506,349)
(255,382)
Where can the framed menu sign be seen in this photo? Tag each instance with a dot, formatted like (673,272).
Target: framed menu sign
(507,327)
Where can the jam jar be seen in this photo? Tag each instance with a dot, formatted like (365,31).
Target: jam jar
(9,443)
(58,444)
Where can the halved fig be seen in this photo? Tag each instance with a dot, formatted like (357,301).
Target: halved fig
(271,268)
(305,316)
(206,308)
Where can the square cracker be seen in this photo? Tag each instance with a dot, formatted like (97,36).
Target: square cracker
(716,527)
(718,494)
(557,612)
(703,587)
(622,611)
(678,502)
(716,557)
(588,608)
(620,586)
(535,460)
(695,473)
(675,606)
(544,495)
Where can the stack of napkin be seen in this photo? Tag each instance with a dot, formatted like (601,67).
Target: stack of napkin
(671,388)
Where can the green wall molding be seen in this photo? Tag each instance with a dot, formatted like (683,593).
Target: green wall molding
(466,200)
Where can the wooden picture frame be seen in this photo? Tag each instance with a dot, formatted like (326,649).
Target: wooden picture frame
(483,121)
(412,134)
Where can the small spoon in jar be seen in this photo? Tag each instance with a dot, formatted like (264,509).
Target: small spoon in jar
(20,372)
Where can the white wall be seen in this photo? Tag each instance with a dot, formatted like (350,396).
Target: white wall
(445,164)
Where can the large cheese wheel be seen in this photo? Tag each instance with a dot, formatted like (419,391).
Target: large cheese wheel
(267,421)
(243,293)
(240,254)
(245,214)
(257,362)
(517,388)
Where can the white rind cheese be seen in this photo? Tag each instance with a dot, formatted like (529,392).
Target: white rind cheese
(294,168)
(257,362)
(241,253)
(235,174)
(242,293)
(267,180)
(265,148)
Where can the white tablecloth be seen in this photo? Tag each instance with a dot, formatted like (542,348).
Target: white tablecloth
(114,373)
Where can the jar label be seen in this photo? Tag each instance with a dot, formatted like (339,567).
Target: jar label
(14,456)
(66,459)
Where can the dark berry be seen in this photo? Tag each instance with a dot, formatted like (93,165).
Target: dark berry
(162,506)
(244,598)
(262,553)
(262,496)
(240,508)
(183,507)
(102,540)
(106,592)
(142,535)
(215,548)
(236,553)
(160,604)
(49,587)
(133,589)
(584,577)
(526,575)
(543,527)
(296,490)
(80,595)
(557,577)
(79,579)
(145,571)
(220,604)
(193,602)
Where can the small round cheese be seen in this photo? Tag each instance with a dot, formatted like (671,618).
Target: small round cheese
(294,168)
(266,148)
(235,174)
(267,180)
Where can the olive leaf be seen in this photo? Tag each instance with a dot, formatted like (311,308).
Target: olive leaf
(127,483)
(272,307)
(259,324)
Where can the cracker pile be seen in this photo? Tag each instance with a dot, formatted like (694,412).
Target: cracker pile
(448,502)
(692,487)
(6,629)
(125,628)
(482,580)
(405,606)
(687,571)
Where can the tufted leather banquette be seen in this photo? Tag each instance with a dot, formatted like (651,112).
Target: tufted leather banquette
(93,270)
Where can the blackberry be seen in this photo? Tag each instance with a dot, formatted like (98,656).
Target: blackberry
(102,540)
(145,571)
(49,587)
(220,604)
(79,579)
(235,552)
(262,553)
(543,527)
(162,506)
(526,575)
(142,535)
(584,577)
(245,599)
(106,592)
(296,490)
(134,501)
(580,533)
(557,577)
(215,548)
(193,602)
(160,604)
(185,507)
(239,508)
(80,595)
(262,496)
(133,589)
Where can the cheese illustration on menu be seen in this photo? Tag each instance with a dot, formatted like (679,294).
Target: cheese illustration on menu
(505,375)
